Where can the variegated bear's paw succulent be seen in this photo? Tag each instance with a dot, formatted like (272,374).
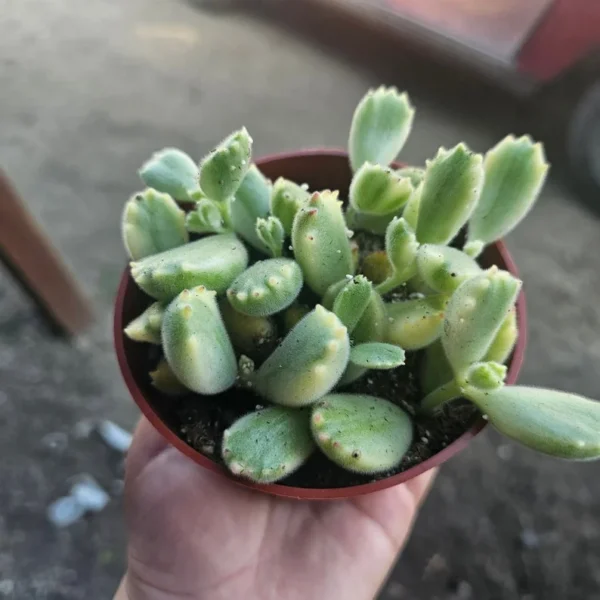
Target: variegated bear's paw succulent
(268,287)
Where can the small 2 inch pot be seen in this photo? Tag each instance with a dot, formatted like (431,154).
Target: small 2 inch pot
(320,169)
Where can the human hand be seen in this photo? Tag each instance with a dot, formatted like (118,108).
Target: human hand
(195,535)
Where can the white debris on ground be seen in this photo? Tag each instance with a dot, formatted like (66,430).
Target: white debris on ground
(114,436)
(65,511)
(56,441)
(86,494)
(89,493)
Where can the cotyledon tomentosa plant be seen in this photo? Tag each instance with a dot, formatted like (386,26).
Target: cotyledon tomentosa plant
(274,295)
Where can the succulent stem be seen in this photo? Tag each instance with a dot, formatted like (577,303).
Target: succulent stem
(445,393)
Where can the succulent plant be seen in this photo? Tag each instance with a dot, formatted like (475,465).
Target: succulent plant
(293,294)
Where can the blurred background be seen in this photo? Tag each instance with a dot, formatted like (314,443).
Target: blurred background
(90,90)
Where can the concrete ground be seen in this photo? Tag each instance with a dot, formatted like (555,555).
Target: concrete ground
(89,90)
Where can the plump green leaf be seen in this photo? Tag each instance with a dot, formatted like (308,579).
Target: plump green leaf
(269,444)
(266,288)
(213,261)
(557,423)
(172,172)
(146,327)
(222,171)
(270,232)
(287,198)
(196,344)
(443,268)
(250,203)
(451,188)
(377,355)
(152,223)
(378,190)
(414,324)
(320,242)
(380,126)
(308,363)
(352,301)
(515,171)
(475,314)
(361,433)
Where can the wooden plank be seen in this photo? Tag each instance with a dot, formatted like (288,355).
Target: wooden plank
(29,255)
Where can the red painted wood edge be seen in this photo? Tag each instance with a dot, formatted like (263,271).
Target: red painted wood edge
(568,33)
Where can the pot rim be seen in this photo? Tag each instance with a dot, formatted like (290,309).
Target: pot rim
(276,489)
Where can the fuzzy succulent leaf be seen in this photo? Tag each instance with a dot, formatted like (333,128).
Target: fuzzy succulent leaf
(515,171)
(270,232)
(378,190)
(370,328)
(352,301)
(414,324)
(254,336)
(411,210)
(308,363)
(214,262)
(222,171)
(380,126)
(320,242)
(164,380)
(151,223)
(269,444)
(207,217)
(435,370)
(294,314)
(415,174)
(485,376)
(146,327)
(287,198)
(376,266)
(451,188)
(172,172)
(371,324)
(376,224)
(557,423)
(266,288)
(475,314)
(401,247)
(505,340)
(443,268)
(250,203)
(361,433)
(196,343)
(377,355)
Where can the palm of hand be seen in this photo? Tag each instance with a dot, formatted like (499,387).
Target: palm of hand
(195,535)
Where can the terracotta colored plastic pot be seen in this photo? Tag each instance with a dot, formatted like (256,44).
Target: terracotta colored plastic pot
(321,169)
